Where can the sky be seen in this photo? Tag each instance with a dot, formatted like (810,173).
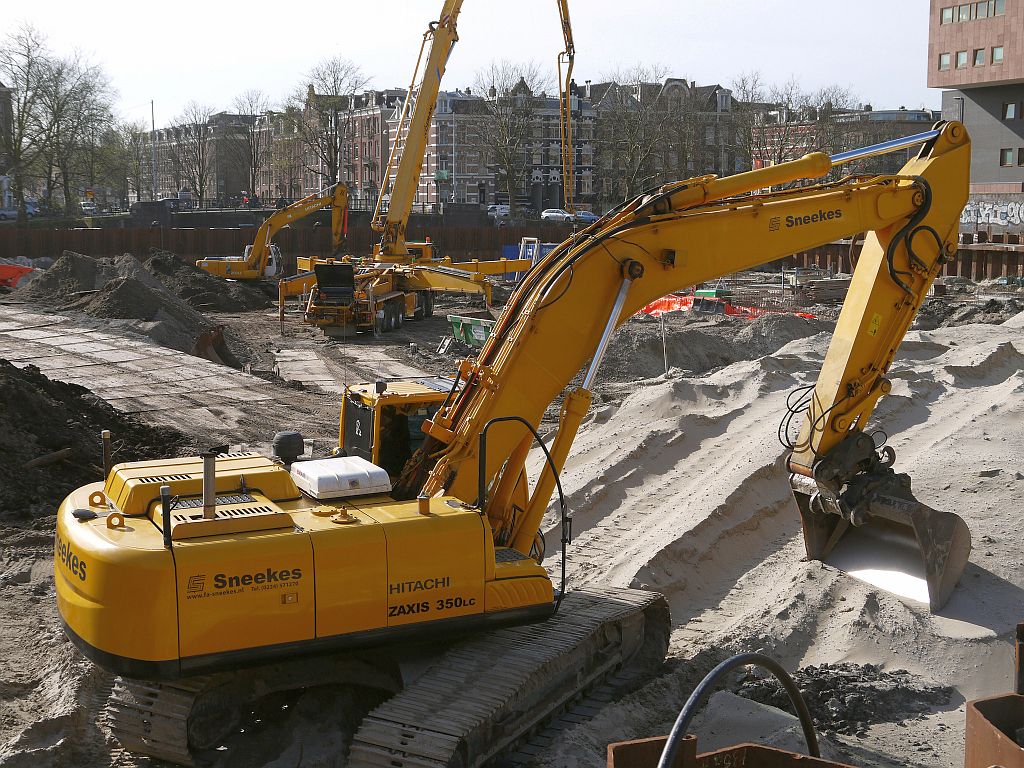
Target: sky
(212,51)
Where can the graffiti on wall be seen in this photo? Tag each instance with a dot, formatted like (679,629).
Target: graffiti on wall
(999,214)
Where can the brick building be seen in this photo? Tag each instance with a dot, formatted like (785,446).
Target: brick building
(976,54)
(223,163)
(649,133)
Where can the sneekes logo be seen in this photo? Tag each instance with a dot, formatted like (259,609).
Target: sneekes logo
(773,224)
(813,218)
(64,553)
(232,584)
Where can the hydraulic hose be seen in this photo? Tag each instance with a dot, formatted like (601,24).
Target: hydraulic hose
(689,710)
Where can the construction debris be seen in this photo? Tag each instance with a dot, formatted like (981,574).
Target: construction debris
(847,698)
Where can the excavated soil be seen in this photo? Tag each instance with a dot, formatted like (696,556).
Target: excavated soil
(154,298)
(847,698)
(41,416)
(201,289)
(941,313)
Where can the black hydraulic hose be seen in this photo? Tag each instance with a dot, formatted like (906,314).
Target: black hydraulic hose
(686,714)
(482,487)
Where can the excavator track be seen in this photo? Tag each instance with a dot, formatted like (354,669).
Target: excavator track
(481,697)
(152,718)
(486,694)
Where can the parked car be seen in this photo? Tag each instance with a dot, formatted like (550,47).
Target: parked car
(586,217)
(31,209)
(498,211)
(88,207)
(555,214)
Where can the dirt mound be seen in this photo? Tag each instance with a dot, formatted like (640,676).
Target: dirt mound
(69,276)
(201,289)
(847,698)
(41,416)
(698,344)
(941,313)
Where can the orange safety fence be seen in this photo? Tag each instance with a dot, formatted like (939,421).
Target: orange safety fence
(677,303)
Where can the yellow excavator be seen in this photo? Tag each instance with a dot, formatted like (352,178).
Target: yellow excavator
(208,582)
(262,259)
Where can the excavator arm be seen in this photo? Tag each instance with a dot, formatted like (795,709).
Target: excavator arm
(563,313)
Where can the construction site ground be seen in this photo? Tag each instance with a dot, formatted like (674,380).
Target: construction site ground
(676,483)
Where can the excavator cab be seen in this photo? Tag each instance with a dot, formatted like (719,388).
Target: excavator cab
(383,422)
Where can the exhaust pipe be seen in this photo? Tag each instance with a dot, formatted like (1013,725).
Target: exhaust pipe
(209,485)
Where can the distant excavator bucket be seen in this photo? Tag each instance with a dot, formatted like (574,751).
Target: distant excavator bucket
(879,533)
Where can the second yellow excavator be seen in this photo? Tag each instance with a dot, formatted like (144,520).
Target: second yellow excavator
(262,259)
(208,582)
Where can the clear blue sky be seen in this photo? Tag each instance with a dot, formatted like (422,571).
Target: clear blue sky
(212,51)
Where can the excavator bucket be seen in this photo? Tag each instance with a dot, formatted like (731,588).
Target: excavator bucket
(890,540)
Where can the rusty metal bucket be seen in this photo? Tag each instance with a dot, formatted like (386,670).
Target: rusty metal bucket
(995,726)
(645,753)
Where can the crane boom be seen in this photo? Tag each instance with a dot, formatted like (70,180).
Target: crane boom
(412,133)
(438,41)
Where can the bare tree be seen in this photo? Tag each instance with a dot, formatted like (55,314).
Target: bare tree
(503,137)
(122,159)
(255,135)
(24,63)
(633,129)
(749,109)
(321,112)
(192,147)
(133,141)
(76,101)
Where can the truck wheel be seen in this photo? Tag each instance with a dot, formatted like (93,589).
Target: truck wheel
(428,304)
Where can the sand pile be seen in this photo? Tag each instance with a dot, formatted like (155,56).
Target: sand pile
(40,417)
(201,289)
(681,487)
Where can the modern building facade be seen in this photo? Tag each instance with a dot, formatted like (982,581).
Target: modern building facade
(976,54)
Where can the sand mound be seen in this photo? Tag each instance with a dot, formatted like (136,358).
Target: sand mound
(42,416)
(201,289)
(697,344)
(681,488)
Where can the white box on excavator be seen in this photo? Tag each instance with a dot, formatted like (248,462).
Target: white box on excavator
(339,477)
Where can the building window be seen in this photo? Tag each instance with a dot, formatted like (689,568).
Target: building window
(947,16)
(961,59)
(997,8)
(1010,111)
(979,57)
(1020,156)
(1005,157)
(943,61)
(997,54)
(964,12)
(981,10)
